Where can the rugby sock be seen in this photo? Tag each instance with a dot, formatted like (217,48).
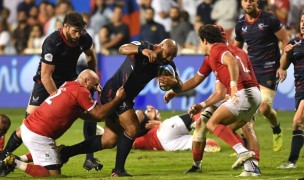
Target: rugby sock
(240,138)
(26,158)
(13,143)
(90,145)
(197,154)
(257,155)
(276,129)
(296,145)
(226,135)
(124,146)
(32,169)
(89,130)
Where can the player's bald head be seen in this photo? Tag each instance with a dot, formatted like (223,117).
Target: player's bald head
(90,80)
(5,124)
(89,74)
(171,46)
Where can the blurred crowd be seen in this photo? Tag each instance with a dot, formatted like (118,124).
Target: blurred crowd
(25,24)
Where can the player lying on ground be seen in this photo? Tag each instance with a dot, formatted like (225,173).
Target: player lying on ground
(171,134)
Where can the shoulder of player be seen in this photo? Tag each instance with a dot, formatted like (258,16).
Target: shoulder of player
(75,86)
(144,44)
(53,37)
(267,15)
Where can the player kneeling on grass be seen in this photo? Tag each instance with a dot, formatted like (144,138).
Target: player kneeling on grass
(55,116)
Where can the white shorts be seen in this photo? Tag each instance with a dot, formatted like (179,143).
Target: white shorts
(248,103)
(43,149)
(173,135)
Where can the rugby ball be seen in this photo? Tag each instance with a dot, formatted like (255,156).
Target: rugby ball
(165,70)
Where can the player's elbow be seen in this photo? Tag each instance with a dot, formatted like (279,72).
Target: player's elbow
(45,79)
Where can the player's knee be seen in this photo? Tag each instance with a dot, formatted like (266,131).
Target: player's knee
(207,113)
(298,123)
(108,143)
(210,125)
(265,108)
(132,130)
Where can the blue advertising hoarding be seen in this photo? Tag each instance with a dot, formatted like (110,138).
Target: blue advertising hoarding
(16,73)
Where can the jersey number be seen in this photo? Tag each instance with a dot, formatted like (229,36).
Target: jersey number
(245,69)
(48,100)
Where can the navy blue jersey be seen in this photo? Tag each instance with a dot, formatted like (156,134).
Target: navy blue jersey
(296,55)
(134,74)
(263,49)
(60,53)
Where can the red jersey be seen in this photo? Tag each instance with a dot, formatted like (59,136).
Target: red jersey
(2,142)
(149,141)
(247,77)
(59,111)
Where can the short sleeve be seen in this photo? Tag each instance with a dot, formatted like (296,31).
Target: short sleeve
(275,23)
(85,100)
(238,36)
(48,51)
(205,68)
(85,41)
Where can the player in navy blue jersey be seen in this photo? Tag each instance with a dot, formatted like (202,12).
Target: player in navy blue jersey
(139,68)
(60,53)
(262,31)
(294,53)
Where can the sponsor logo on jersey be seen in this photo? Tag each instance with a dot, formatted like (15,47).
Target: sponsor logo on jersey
(48,57)
(35,99)
(123,106)
(261,26)
(244,29)
(297,42)
(137,43)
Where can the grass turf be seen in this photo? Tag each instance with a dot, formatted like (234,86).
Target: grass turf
(171,165)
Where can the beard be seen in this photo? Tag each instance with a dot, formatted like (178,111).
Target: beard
(70,39)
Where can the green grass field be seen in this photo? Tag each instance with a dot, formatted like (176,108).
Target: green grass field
(171,165)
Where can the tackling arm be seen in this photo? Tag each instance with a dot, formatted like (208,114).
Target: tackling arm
(102,111)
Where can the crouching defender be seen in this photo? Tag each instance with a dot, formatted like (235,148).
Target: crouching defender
(53,118)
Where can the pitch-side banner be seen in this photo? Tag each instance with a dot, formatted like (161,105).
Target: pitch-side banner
(16,73)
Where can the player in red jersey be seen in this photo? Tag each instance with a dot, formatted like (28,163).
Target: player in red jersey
(241,84)
(54,117)
(214,101)
(60,53)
